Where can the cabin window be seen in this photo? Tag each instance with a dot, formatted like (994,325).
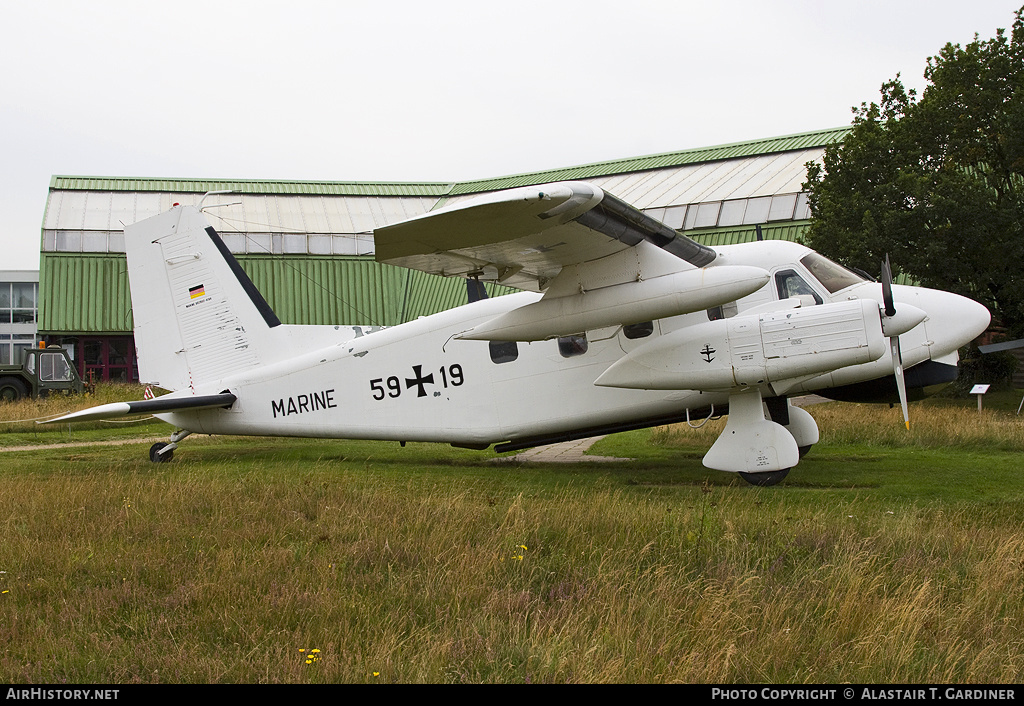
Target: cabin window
(723,311)
(790,284)
(503,351)
(640,330)
(571,346)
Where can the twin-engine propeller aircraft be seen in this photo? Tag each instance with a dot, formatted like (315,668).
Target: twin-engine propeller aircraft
(624,323)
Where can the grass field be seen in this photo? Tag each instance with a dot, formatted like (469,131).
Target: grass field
(884,557)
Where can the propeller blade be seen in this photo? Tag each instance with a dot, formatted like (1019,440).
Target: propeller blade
(910,317)
(901,385)
(890,308)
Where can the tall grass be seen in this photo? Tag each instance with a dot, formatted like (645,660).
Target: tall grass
(20,420)
(56,404)
(931,426)
(235,561)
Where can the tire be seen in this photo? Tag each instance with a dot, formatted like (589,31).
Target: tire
(156,457)
(765,479)
(12,389)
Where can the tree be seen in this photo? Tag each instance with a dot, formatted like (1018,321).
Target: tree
(936,182)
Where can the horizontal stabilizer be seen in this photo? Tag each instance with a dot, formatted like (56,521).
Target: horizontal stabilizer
(161,404)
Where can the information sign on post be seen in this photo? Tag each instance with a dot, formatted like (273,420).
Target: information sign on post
(979,390)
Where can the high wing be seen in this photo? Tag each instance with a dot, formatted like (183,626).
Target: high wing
(525,237)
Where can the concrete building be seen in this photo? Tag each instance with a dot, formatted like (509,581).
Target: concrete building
(19,313)
(308,246)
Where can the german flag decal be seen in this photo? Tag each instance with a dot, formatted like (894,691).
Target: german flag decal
(196,292)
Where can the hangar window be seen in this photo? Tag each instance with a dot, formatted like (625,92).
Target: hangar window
(782,208)
(571,346)
(69,241)
(757,210)
(707,214)
(732,213)
(674,216)
(503,351)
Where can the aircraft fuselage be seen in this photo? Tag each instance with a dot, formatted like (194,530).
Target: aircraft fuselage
(418,382)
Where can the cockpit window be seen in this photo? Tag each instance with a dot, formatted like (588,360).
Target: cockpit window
(790,284)
(832,276)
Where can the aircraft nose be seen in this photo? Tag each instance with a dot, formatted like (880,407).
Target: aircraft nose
(953,320)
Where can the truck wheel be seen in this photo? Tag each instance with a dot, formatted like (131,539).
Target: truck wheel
(12,389)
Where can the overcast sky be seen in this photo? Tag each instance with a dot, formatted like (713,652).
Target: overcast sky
(435,91)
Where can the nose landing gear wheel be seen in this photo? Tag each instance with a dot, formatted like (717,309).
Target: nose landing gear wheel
(765,479)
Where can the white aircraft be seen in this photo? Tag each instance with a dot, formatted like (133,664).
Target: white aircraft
(624,323)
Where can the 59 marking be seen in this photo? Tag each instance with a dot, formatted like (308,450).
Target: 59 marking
(450,376)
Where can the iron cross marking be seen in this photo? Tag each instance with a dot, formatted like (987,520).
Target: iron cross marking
(707,351)
(419,381)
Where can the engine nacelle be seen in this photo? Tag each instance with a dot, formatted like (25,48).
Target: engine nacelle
(628,303)
(754,349)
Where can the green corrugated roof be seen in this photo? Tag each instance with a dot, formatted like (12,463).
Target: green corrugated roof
(250,186)
(771,145)
(788,143)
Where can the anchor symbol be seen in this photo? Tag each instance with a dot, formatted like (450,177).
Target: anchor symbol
(707,351)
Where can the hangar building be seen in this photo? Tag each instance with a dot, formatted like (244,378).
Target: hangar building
(308,246)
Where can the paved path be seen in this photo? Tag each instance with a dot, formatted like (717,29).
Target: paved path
(79,444)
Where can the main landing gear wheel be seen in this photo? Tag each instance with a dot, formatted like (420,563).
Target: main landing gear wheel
(765,479)
(156,457)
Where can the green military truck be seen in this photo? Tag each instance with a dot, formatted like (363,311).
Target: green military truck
(44,371)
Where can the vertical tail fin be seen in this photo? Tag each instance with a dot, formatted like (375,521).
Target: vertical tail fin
(198,316)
